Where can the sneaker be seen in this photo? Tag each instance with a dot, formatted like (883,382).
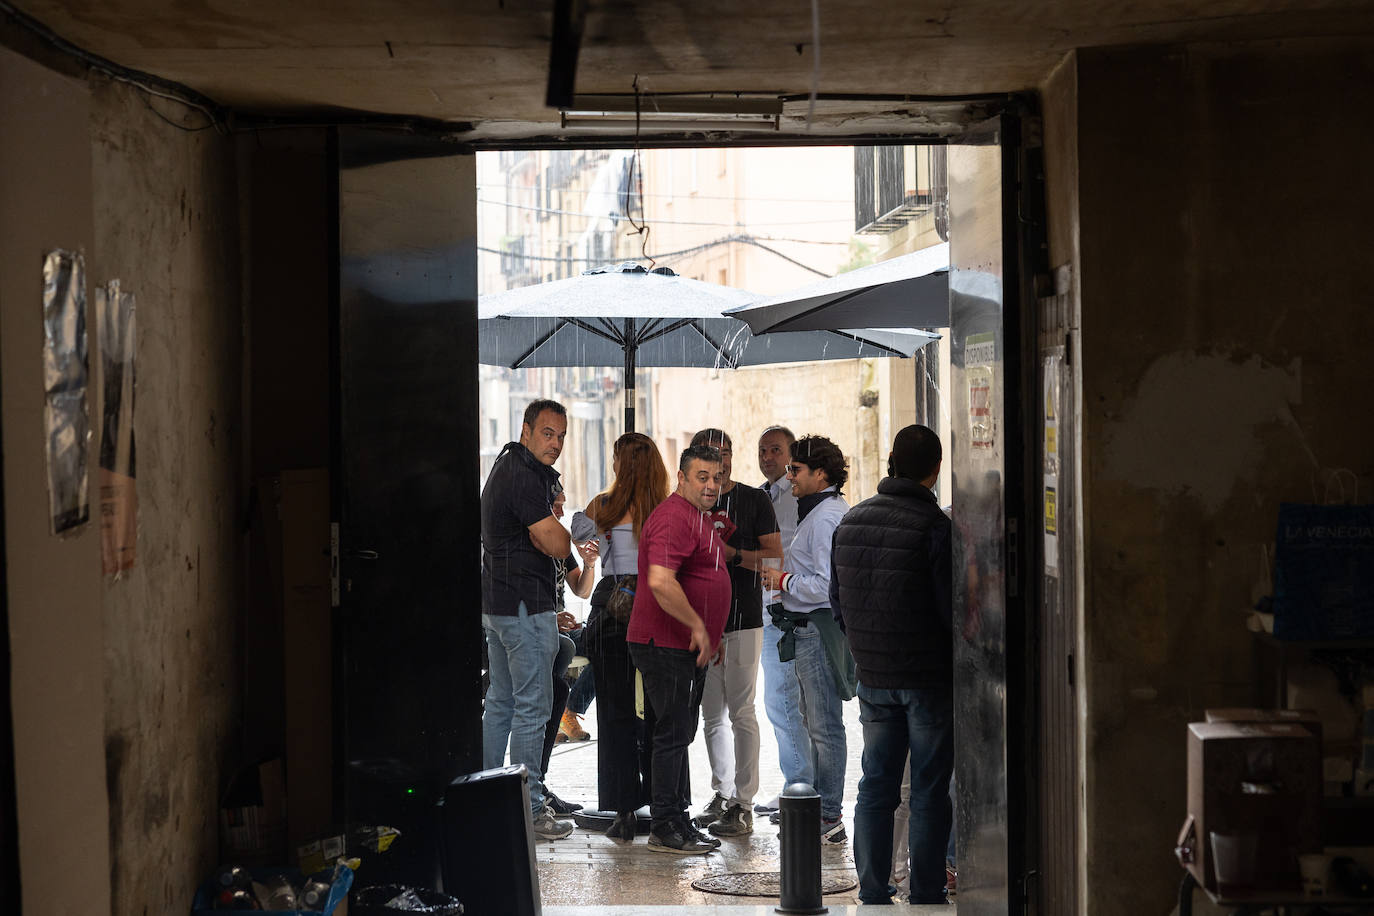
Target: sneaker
(951,881)
(703,837)
(736,821)
(570,729)
(560,807)
(768,807)
(833,831)
(547,827)
(712,812)
(775,817)
(675,840)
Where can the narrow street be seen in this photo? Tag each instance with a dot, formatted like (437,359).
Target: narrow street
(588,869)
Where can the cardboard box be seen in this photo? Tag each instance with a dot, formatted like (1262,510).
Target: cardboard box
(1260,781)
(252,817)
(1304,717)
(314,855)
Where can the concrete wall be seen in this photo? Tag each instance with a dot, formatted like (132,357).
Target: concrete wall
(125,693)
(1224,196)
(166,224)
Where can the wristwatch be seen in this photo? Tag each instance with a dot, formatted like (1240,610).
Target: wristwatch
(737,559)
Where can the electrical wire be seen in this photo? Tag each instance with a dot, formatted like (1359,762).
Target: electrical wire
(144,82)
(574,238)
(682,252)
(696,196)
(162,117)
(636,165)
(512,205)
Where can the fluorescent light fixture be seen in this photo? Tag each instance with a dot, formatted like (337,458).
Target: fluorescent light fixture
(620,122)
(672,112)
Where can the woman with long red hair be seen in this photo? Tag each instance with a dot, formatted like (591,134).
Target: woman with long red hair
(641,483)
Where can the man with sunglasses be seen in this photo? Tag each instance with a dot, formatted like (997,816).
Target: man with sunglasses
(823,666)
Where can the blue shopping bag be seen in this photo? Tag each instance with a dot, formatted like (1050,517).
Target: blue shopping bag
(1324,572)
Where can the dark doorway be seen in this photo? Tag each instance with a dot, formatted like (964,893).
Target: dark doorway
(408,712)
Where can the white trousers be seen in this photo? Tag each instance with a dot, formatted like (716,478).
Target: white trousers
(728,718)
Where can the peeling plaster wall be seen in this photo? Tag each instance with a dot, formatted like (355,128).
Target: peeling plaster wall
(1224,202)
(166,218)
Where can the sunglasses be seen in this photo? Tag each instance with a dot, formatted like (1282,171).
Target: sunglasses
(797,468)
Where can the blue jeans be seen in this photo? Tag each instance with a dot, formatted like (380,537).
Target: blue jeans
(824,711)
(897,723)
(782,703)
(520,654)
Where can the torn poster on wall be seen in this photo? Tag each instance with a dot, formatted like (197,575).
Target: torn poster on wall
(65,372)
(115,325)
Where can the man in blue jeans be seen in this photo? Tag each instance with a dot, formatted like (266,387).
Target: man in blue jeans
(822,664)
(781,695)
(890,585)
(521,542)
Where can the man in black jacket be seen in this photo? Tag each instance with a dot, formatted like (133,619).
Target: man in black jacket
(890,588)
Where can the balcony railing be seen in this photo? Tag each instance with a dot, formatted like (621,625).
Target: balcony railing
(894,185)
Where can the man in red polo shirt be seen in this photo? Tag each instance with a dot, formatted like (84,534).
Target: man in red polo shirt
(675,629)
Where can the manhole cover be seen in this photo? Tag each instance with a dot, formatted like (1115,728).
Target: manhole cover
(766,884)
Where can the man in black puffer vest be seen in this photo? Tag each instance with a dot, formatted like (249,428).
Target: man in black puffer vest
(890,589)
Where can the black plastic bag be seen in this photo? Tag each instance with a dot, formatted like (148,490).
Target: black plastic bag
(391,899)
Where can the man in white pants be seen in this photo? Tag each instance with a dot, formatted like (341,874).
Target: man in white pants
(744,517)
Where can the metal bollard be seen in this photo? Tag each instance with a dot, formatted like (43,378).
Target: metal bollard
(800,837)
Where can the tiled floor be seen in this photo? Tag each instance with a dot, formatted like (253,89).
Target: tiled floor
(590,870)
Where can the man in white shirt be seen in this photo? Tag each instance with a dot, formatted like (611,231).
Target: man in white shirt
(823,666)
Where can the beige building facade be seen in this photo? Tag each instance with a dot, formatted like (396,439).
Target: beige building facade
(766,220)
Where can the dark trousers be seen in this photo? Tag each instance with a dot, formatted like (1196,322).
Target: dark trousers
(898,724)
(622,759)
(672,695)
(584,688)
(560,702)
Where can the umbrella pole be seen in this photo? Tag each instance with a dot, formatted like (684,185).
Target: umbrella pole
(629,380)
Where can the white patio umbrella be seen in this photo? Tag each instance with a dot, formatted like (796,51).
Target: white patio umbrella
(629,316)
(908,291)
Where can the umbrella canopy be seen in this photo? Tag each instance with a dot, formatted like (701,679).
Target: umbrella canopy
(626,315)
(909,291)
